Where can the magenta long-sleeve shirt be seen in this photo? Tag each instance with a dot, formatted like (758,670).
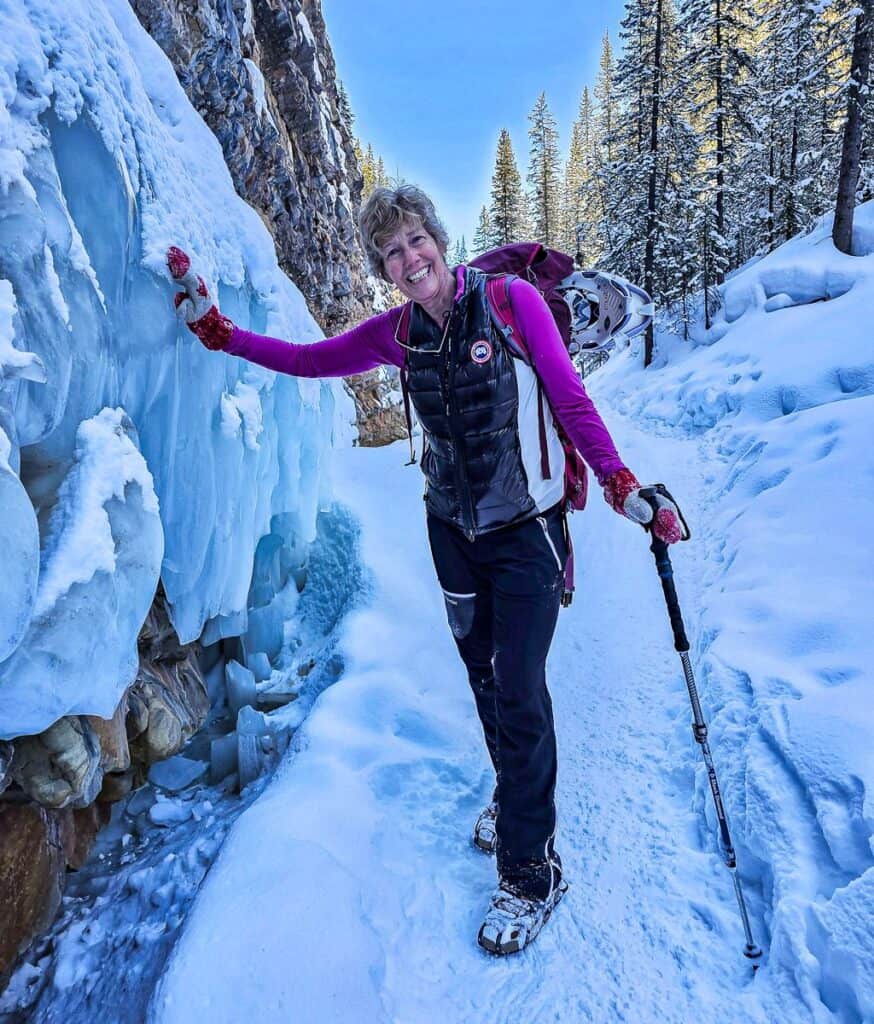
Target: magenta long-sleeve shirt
(373,344)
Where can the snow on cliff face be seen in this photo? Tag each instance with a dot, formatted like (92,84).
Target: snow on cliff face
(109,408)
(780,393)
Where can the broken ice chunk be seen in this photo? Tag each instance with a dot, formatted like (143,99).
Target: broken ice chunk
(176,773)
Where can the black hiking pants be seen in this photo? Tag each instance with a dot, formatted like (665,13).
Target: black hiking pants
(503,592)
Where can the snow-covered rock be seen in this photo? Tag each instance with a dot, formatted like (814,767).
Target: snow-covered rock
(263,78)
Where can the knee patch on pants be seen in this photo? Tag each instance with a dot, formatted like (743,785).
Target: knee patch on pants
(460,610)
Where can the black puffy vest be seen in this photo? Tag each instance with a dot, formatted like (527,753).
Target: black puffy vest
(466,400)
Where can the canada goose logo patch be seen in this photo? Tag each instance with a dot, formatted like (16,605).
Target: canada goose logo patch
(481,351)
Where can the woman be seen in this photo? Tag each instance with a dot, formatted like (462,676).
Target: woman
(495,515)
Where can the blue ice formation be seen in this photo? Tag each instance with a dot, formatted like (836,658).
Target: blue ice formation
(128,451)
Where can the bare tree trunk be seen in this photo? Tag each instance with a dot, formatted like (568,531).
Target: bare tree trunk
(851,151)
(771,161)
(771,181)
(791,197)
(792,174)
(649,257)
(705,252)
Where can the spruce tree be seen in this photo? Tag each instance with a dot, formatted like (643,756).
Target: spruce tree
(652,205)
(851,154)
(458,253)
(581,208)
(605,118)
(628,169)
(483,238)
(344,108)
(544,175)
(721,35)
(368,171)
(382,178)
(507,210)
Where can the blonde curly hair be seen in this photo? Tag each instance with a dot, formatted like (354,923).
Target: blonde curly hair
(386,211)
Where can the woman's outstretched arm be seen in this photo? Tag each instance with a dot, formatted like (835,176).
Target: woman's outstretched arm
(366,346)
(369,345)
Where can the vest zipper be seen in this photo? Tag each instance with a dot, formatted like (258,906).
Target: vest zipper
(542,522)
(464,496)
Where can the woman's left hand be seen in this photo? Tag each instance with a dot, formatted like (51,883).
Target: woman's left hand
(622,493)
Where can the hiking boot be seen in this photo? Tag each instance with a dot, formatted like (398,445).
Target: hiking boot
(514,920)
(485,831)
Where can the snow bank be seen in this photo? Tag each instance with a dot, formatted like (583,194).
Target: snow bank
(780,393)
(103,164)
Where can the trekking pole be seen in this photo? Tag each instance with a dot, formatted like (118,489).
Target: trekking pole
(699,729)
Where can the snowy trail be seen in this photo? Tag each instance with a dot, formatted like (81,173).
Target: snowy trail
(350,891)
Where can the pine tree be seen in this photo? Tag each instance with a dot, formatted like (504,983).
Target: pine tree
(458,253)
(720,33)
(544,175)
(581,213)
(343,108)
(382,178)
(605,118)
(507,210)
(851,154)
(483,238)
(368,171)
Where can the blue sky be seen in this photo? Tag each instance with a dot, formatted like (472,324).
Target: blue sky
(431,85)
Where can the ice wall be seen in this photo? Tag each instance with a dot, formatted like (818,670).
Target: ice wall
(126,449)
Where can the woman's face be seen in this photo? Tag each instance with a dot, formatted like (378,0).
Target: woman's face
(414,263)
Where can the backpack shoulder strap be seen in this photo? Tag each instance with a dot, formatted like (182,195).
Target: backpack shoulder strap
(498,295)
(402,335)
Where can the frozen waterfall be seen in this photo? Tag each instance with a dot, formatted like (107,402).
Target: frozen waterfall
(127,451)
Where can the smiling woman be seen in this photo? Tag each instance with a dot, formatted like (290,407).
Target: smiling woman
(495,503)
(406,245)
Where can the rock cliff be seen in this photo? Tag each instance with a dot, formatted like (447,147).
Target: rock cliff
(262,76)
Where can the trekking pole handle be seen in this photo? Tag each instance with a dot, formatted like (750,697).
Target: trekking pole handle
(666,570)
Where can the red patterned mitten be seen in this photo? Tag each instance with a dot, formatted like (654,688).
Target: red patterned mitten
(195,306)
(622,493)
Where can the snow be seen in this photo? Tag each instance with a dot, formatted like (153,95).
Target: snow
(374,808)
(782,403)
(103,164)
(257,79)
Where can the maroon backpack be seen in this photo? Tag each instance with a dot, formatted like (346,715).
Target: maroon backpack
(545,269)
